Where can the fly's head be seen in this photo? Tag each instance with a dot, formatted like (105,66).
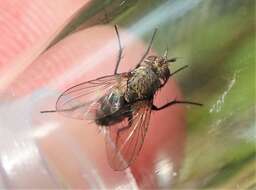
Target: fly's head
(160,65)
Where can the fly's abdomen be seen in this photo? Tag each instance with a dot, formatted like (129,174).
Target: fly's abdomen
(109,106)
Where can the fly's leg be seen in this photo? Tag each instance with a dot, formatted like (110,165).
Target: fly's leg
(155,108)
(119,57)
(178,70)
(121,50)
(148,49)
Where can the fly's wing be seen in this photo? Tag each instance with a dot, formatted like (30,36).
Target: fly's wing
(83,100)
(124,140)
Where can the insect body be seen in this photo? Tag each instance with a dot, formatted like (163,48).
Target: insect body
(140,84)
(121,103)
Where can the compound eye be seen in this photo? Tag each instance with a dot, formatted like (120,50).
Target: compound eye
(161,61)
(151,58)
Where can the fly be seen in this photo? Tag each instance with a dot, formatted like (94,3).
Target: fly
(121,103)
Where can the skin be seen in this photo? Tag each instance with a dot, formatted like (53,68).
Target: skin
(76,148)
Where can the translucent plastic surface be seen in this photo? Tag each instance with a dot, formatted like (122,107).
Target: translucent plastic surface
(49,46)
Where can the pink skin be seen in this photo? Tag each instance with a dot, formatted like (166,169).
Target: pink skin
(75,151)
(26,28)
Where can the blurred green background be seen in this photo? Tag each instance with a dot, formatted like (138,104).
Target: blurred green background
(217,39)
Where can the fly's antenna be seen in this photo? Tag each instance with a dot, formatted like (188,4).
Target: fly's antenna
(48,111)
(178,70)
(174,59)
(166,52)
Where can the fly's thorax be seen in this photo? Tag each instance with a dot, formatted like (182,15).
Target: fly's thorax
(142,84)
